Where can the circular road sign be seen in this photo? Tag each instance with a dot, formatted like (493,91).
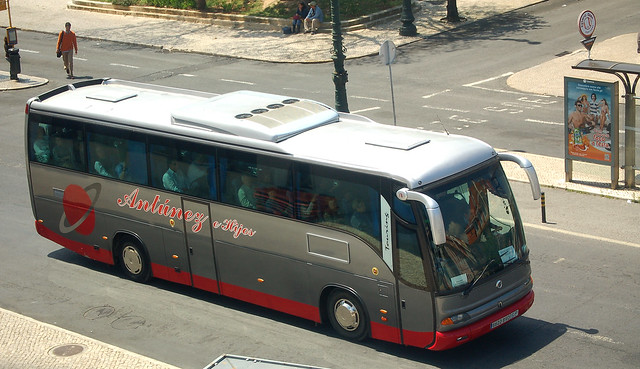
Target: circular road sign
(587,23)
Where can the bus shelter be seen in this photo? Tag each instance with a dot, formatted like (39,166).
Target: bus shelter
(626,72)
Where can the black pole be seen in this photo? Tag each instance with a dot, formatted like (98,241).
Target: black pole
(340,76)
(407,28)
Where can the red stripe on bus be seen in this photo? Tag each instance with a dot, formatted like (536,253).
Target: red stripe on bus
(170,274)
(205,283)
(447,340)
(417,339)
(272,302)
(97,254)
(385,333)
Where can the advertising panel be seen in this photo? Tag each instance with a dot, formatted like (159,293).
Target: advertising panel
(591,121)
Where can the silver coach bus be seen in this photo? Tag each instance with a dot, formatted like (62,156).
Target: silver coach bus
(402,235)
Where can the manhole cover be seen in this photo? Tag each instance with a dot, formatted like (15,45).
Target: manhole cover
(67,350)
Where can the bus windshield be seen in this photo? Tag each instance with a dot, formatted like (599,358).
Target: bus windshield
(483,227)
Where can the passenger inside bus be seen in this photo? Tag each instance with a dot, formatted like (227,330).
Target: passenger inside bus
(41,148)
(173,179)
(246,192)
(62,152)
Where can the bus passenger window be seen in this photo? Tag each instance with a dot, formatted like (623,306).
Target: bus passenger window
(256,182)
(67,148)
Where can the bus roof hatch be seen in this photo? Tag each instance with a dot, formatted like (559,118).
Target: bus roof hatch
(255,115)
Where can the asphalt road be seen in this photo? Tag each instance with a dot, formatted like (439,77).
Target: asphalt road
(584,260)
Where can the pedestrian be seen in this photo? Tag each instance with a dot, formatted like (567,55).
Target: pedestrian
(313,19)
(67,43)
(301,14)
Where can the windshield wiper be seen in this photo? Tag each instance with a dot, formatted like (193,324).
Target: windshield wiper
(476,279)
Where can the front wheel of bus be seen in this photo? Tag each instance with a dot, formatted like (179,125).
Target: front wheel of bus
(347,315)
(134,262)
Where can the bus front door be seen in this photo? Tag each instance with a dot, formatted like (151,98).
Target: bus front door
(197,226)
(416,311)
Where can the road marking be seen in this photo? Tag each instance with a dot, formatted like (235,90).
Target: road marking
(363,110)
(544,122)
(472,84)
(234,81)
(435,94)
(576,234)
(443,108)
(30,51)
(475,85)
(594,337)
(187,75)
(368,98)
(559,260)
(124,65)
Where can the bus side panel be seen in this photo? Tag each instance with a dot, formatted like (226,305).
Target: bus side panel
(270,260)
(91,214)
(264,279)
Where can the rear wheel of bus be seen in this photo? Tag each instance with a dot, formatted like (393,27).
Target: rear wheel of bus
(134,261)
(346,315)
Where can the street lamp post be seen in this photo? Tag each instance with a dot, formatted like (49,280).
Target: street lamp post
(340,76)
(407,28)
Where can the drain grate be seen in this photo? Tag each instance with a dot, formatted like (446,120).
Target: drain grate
(563,53)
(67,350)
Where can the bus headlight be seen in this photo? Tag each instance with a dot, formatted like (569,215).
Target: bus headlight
(456,319)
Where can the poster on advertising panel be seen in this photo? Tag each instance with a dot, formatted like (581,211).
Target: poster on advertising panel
(591,121)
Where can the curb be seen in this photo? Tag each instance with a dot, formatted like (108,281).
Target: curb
(232,20)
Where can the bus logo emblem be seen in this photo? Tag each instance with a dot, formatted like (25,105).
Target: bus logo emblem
(79,213)
(499,284)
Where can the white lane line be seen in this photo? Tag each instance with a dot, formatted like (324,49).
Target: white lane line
(444,108)
(363,110)
(544,122)
(77,58)
(488,79)
(124,65)
(435,94)
(582,235)
(240,82)
(30,51)
(187,75)
(368,98)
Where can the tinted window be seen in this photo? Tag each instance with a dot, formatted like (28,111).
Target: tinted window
(182,167)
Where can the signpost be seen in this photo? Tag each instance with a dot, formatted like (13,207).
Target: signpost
(586,26)
(387,57)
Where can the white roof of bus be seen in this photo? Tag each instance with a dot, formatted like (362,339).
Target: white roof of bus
(298,127)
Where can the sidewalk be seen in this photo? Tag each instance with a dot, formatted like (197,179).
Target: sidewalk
(27,343)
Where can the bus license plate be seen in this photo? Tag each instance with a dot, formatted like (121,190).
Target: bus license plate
(504,319)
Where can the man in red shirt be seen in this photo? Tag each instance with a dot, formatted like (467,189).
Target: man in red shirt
(66,44)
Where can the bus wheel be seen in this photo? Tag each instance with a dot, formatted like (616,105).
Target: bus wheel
(346,315)
(134,261)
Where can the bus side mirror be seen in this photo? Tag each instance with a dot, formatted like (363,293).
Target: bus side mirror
(433,212)
(525,164)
